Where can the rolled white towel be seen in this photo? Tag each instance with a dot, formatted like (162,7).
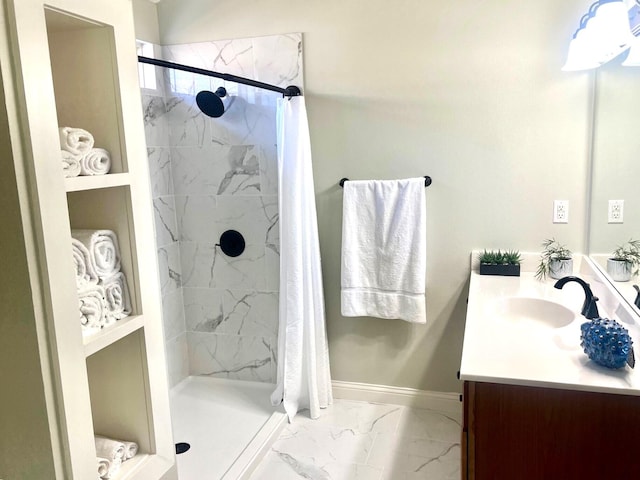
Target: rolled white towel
(130,450)
(96,161)
(75,140)
(103,467)
(103,249)
(70,164)
(92,306)
(85,270)
(112,468)
(116,294)
(109,448)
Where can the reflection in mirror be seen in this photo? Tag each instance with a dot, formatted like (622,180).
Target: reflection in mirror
(616,166)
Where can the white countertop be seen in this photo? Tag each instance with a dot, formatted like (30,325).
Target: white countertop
(499,349)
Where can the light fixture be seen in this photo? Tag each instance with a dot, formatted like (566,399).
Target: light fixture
(580,56)
(612,31)
(603,34)
(633,57)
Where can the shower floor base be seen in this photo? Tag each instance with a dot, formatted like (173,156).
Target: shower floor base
(230,425)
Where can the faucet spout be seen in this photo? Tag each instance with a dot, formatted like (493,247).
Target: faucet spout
(589,307)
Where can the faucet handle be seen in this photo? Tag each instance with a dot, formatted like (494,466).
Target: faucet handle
(590,309)
(636,302)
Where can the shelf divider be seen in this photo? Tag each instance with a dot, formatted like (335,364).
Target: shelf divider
(95,342)
(92,182)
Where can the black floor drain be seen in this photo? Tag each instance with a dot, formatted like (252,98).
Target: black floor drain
(182,447)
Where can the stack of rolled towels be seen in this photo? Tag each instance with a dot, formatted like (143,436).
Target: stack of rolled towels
(79,156)
(111,453)
(102,288)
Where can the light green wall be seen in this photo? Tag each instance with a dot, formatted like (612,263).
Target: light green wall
(28,430)
(146,21)
(469,92)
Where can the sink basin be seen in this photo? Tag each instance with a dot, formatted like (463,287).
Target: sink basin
(533,311)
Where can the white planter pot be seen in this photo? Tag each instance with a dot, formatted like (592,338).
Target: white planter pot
(619,270)
(560,268)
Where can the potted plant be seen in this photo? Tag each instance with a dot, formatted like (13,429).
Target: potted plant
(624,262)
(556,260)
(500,263)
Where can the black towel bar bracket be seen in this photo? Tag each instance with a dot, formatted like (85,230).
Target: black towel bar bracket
(427,181)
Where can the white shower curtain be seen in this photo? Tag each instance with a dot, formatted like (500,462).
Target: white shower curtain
(304,378)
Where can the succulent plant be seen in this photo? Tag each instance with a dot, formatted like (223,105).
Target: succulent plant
(510,257)
(607,343)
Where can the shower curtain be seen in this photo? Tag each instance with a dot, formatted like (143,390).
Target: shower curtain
(303,375)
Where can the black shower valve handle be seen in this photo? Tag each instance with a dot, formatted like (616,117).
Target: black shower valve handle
(231,243)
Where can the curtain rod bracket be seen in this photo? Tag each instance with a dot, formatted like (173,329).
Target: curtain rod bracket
(291,91)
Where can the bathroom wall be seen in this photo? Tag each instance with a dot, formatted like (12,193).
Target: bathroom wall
(157,133)
(209,176)
(468,92)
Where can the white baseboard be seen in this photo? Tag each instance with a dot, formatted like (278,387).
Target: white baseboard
(409,397)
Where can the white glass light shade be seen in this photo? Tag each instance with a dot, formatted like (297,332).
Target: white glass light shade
(610,31)
(633,57)
(581,53)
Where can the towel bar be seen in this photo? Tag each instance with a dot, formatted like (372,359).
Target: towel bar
(427,181)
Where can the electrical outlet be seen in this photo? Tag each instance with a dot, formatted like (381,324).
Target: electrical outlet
(561,211)
(616,211)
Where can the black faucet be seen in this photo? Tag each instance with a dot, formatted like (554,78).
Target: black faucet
(589,307)
(637,300)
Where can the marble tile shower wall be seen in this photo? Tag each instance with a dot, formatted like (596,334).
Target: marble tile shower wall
(211,175)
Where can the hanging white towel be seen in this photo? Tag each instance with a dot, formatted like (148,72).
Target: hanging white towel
(75,140)
(96,161)
(303,374)
(384,249)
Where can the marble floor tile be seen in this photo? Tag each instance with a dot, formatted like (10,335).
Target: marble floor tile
(422,423)
(283,466)
(355,440)
(319,444)
(361,417)
(415,458)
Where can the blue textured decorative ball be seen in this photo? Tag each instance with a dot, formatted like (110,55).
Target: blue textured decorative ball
(607,343)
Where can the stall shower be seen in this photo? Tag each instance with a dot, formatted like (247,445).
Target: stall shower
(208,176)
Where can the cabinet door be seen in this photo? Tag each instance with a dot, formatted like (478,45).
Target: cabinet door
(542,433)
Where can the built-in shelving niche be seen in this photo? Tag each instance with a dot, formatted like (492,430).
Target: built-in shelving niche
(84,69)
(110,209)
(119,385)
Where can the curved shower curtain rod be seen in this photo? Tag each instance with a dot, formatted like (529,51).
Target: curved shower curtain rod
(290,91)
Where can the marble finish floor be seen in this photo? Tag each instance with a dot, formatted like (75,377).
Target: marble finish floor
(355,440)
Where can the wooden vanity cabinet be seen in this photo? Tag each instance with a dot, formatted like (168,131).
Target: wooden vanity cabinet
(513,432)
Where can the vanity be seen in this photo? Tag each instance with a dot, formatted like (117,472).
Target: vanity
(535,406)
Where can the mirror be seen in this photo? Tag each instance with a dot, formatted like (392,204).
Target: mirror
(615,165)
